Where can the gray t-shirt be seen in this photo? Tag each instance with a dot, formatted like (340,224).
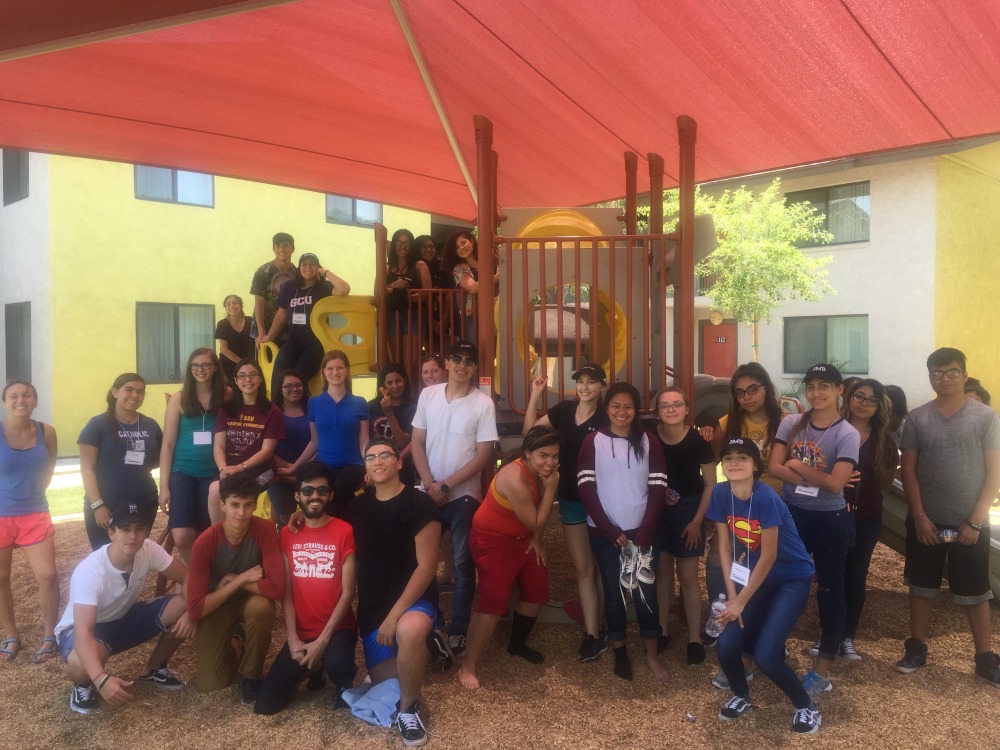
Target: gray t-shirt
(951,461)
(821,449)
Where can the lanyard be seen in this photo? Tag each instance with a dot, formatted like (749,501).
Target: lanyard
(732,505)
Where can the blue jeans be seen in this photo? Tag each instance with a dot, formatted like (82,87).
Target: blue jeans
(768,620)
(647,613)
(827,535)
(859,558)
(457,517)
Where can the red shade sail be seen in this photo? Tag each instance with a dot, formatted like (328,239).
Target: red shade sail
(326,94)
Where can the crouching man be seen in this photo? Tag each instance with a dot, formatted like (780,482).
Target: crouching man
(104,615)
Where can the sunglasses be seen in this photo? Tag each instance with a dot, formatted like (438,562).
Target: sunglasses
(321,491)
(459,360)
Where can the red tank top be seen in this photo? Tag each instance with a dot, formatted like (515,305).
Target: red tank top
(495,515)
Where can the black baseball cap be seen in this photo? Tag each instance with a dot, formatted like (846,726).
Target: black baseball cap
(127,514)
(745,446)
(309,258)
(827,373)
(596,372)
(464,349)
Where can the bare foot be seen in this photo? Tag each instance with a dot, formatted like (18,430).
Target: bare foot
(468,679)
(659,671)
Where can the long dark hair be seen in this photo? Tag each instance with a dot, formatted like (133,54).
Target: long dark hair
(297,273)
(636,430)
(392,257)
(329,357)
(395,367)
(886,452)
(278,398)
(190,405)
(800,425)
(233,405)
(734,425)
(418,245)
(451,258)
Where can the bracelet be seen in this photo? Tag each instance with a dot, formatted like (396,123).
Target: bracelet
(973,526)
(97,504)
(244,465)
(101,684)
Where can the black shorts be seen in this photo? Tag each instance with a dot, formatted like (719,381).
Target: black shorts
(968,567)
(673,519)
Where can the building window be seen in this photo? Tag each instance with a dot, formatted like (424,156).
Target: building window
(841,340)
(15,175)
(343,210)
(165,334)
(174,186)
(17,339)
(846,207)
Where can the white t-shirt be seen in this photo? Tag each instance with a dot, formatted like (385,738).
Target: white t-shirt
(97,582)
(453,430)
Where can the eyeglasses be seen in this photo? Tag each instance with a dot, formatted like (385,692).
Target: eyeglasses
(459,360)
(321,491)
(862,400)
(676,406)
(202,366)
(951,374)
(292,387)
(383,456)
(750,390)
(247,376)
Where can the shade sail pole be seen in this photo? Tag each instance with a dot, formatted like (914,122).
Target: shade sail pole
(425,75)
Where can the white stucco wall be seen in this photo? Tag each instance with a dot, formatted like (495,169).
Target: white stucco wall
(24,258)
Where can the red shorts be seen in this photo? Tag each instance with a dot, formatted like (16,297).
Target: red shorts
(23,531)
(500,563)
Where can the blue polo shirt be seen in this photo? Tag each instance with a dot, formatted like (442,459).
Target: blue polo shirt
(337,426)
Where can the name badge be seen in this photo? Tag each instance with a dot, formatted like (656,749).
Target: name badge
(202,437)
(803,489)
(135,458)
(739,574)
(299,319)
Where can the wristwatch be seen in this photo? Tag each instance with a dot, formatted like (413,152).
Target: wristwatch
(445,489)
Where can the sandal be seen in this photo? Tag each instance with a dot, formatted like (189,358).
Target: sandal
(5,649)
(45,653)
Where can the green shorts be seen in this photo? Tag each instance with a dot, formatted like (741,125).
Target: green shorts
(572,512)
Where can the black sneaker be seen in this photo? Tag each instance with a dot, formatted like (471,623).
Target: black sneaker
(316,681)
(411,728)
(708,641)
(457,644)
(338,702)
(914,658)
(734,708)
(163,679)
(438,651)
(249,688)
(83,699)
(696,653)
(592,648)
(988,668)
(807,720)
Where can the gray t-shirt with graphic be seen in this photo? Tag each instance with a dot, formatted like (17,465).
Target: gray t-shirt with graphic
(951,461)
(821,449)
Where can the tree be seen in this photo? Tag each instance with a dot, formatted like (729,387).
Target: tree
(757,265)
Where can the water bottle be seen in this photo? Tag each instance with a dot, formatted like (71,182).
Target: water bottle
(713,628)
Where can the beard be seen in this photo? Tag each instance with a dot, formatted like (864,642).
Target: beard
(311,514)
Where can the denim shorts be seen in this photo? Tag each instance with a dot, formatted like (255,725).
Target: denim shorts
(141,623)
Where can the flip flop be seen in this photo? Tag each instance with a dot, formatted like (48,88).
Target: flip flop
(45,653)
(4,648)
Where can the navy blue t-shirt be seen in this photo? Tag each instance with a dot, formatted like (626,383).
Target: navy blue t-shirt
(746,520)
(126,454)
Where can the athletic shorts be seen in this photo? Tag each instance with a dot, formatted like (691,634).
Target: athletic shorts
(572,512)
(673,519)
(968,567)
(376,653)
(141,623)
(501,562)
(23,531)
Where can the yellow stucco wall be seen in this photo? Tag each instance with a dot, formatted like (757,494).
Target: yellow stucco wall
(968,262)
(109,250)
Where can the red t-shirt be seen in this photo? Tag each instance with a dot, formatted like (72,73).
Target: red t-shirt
(315,559)
(247,431)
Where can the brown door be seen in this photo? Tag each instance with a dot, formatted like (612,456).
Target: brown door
(718,348)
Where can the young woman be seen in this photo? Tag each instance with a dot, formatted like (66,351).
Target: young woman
(233,335)
(247,430)
(27,460)
(507,547)
(814,455)
(187,463)
(291,399)
(768,574)
(390,415)
(118,451)
(461,258)
(338,422)
(406,271)
(690,463)
(432,371)
(574,420)
(428,254)
(622,485)
(869,411)
(302,351)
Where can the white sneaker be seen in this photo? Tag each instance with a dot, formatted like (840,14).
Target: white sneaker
(644,566)
(848,652)
(628,562)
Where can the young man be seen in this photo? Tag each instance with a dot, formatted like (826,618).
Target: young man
(951,473)
(237,574)
(265,298)
(104,617)
(454,429)
(321,573)
(397,530)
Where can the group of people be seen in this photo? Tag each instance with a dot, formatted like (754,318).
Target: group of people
(364,494)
